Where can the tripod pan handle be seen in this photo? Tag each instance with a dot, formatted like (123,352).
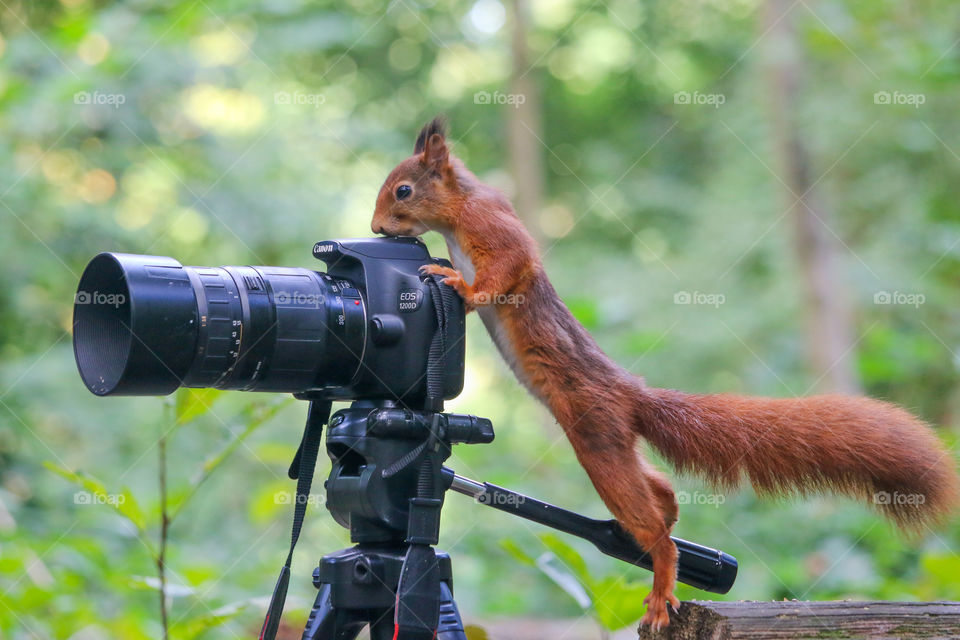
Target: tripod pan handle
(698,566)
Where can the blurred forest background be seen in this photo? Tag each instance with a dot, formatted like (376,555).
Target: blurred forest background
(755,196)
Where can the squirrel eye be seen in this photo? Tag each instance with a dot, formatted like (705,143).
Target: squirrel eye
(403,191)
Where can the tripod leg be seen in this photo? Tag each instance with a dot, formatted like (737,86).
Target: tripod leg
(451,626)
(327,623)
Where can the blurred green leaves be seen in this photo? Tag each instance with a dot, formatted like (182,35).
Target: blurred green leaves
(192,403)
(186,407)
(122,502)
(612,600)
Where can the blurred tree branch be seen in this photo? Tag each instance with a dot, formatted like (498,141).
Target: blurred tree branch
(164,531)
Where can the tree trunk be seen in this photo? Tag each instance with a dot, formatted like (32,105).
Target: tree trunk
(828,316)
(524,132)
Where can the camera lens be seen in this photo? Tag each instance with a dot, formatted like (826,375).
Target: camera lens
(135,325)
(145,325)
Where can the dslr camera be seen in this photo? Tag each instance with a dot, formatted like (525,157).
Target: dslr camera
(146,325)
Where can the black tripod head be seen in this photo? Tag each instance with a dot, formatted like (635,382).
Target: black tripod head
(378,453)
(378,449)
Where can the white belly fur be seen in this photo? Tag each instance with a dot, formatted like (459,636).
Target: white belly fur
(488,314)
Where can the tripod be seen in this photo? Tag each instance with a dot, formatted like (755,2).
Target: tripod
(386,485)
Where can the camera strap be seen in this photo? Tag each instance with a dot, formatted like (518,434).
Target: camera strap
(417,609)
(304,464)
(444,298)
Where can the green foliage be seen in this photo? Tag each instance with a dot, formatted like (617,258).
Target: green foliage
(188,405)
(197,626)
(192,403)
(613,601)
(122,502)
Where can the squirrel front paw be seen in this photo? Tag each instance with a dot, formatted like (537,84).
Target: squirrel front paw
(439,270)
(451,278)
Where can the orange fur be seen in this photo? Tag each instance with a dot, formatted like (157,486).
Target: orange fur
(850,445)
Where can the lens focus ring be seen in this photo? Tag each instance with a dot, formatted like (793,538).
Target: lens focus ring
(221,326)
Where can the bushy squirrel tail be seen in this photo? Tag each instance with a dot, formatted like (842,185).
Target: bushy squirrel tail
(863,448)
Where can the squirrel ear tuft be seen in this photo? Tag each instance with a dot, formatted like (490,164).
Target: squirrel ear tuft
(435,153)
(437,126)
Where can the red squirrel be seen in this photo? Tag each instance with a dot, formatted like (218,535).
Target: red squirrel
(851,445)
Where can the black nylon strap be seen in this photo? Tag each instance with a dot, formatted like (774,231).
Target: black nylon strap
(317,415)
(436,356)
(444,299)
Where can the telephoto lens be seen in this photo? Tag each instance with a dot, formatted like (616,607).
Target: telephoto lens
(146,325)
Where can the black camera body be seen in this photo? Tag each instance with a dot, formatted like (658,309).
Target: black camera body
(401,318)
(146,325)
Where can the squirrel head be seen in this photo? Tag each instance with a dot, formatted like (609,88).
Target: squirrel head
(421,193)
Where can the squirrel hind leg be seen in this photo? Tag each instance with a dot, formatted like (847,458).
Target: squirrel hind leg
(643,502)
(665,496)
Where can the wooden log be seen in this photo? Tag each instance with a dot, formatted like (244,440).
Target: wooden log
(704,620)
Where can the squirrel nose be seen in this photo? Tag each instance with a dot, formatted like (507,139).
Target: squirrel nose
(376,228)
